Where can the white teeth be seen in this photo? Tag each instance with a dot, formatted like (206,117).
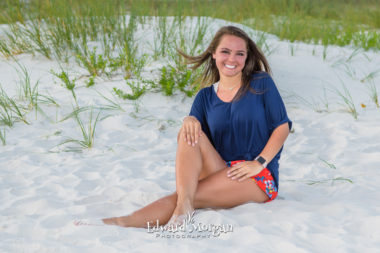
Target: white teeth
(230,66)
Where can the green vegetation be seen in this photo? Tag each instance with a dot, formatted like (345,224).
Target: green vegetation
(332,181)
(373,93)
(28,92)
(102,38)
(95,63)
(10,110)
(67,82)
(136,89)
(178,78)
(340,22)
(3,137)
(88,133)
(348,101)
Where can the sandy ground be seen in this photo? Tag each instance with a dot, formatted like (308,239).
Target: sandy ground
(329,176)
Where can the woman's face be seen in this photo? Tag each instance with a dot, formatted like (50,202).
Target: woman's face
(230,56)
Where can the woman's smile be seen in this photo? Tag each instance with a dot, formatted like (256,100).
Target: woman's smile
(230,66)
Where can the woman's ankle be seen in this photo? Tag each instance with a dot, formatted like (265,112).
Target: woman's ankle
(183,207)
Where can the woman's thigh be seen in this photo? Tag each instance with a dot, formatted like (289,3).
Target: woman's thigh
(219,191)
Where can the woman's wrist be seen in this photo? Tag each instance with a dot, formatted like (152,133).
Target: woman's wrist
(262,161)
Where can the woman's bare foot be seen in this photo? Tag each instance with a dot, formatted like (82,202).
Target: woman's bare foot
(89,222)
(117,221)
(181,213)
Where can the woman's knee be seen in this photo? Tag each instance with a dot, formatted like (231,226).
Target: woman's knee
(182,136)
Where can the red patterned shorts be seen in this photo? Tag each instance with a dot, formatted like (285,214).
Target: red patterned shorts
(264,180)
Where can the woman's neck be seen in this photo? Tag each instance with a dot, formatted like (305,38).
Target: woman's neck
(230,83)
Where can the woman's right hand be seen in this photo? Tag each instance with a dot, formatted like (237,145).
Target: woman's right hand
(192,130)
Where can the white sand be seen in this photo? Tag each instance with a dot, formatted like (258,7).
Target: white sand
(44,189)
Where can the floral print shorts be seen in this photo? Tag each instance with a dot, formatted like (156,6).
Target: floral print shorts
(264,180)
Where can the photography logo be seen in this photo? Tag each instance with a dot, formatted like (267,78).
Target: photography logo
(188,228)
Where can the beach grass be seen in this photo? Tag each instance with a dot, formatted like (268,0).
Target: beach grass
(137,90)
(331,180)
(27,91)
(6,115)
(63,31)
(67,82)
(101,37)
(338,22)
(96,64)
(371,76)
(112,104)
(348,102)
(319,105)
(87,131)
(328,164)
(10,110)
(178,78)
(373,92)
(3,137)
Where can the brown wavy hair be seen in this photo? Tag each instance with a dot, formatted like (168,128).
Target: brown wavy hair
(255,62)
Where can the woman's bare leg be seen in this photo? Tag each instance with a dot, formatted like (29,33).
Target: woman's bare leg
(188,169)
(220,191)
(160,210)
(214,191)
(207,160)
(192,164)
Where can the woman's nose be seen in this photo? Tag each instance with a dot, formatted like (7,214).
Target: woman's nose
(232,57)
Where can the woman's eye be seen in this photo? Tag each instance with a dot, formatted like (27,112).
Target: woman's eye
(224,52)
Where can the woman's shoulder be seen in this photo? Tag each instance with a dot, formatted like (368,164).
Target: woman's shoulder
(206,91)
(260,75)
(261,81)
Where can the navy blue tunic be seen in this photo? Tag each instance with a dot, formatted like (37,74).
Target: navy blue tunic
(239,130)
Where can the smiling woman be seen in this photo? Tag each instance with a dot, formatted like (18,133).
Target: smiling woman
(230,144)
(230,58)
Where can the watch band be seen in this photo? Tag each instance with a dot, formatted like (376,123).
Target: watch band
(262,161)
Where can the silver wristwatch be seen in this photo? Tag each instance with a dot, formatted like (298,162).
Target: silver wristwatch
(262,161)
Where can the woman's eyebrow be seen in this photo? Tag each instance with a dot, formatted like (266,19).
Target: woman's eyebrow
(239,51)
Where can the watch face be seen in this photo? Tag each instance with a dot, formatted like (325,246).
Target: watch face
(261,160)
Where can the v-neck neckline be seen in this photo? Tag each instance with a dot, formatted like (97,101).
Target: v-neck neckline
(215,90)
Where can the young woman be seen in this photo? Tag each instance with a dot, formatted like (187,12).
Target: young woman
(230,144)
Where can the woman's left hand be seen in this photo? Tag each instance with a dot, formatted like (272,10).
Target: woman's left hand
(244,170)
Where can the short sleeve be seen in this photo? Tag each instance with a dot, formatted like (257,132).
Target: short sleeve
(275,110)
(198,110)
